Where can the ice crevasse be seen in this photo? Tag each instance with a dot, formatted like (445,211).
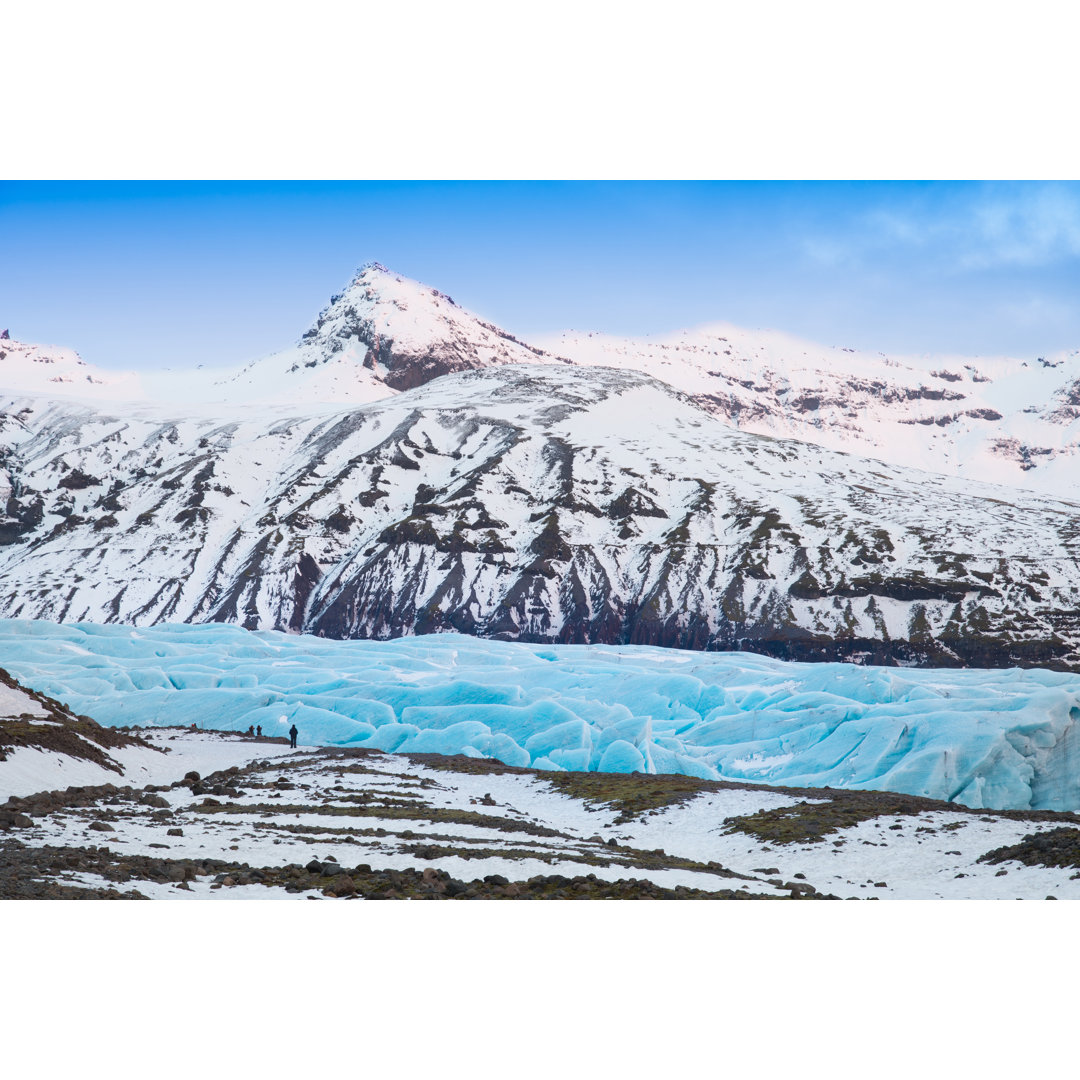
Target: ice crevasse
(1002,739)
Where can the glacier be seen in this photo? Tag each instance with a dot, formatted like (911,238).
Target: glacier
(996,739)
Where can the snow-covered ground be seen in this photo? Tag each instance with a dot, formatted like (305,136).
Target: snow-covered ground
(29,769)
(379,813)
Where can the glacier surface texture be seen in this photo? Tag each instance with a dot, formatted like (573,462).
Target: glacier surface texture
(1001,739)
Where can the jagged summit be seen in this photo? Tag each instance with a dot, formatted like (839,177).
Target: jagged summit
(382,334)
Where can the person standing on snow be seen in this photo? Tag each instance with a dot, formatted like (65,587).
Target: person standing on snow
(292,736)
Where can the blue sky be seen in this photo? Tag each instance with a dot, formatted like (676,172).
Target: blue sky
(165,274)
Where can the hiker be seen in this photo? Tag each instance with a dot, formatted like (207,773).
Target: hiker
(251,729)
(292,736)
(258,731)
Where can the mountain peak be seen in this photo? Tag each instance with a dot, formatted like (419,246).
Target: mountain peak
(405,333)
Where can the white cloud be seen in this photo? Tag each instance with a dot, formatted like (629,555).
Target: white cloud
(1035,227)
(1015,225)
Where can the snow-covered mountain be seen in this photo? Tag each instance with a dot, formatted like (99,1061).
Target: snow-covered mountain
(408,467)
(997,419)
(58,372)
(383,334)
(539,502)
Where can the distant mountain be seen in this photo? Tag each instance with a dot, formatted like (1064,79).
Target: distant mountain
(996,419)
(541,502)
(384,333)
(58,372)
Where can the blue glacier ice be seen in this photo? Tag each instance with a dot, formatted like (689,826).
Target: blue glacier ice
(1002,739)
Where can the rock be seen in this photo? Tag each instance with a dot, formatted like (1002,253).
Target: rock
(192,776)
(175,832)
(101,826)
(10,819)
(314,867)
(331,869)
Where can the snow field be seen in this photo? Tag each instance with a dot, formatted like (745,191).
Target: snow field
(268,838)
(924,856)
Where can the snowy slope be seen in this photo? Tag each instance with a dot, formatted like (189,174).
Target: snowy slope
(43,744)
(541,503)
(998,419)
(54,371)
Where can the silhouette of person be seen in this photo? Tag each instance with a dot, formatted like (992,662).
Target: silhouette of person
(292,736)
(258,731)
(250,730)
